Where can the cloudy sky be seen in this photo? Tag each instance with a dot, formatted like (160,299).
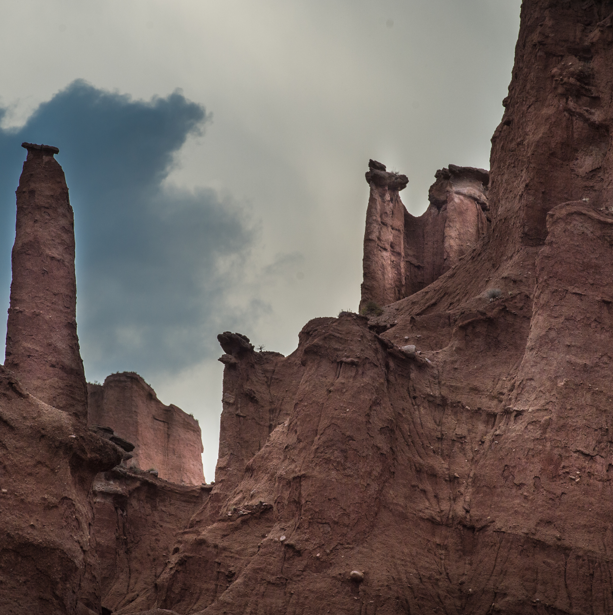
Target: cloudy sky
(215,152)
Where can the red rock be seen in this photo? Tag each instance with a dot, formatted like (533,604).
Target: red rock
(474,476)
(404,253)
(48,463)
(42,347)
(137,517)
(459,461)
(165,438)
(49,458)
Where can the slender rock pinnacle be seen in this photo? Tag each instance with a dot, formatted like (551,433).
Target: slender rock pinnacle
(42,346)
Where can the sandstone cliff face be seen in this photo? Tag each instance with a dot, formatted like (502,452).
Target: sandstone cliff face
(472,475)
(41,344)
(47,466)
(404,253)
(48,457)
(137,518)
(165,438)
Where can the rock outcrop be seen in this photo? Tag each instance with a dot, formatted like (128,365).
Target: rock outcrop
(48,458)
(42,347)
(404,253)
(137,518)
(165,439)
(454,453)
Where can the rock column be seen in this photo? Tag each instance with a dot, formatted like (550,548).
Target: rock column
(42,346)
(404,253)
(383,264)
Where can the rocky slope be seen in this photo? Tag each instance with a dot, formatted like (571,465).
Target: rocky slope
(472,473)
(137,516)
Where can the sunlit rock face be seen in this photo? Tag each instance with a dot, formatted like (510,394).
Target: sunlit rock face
(404,253)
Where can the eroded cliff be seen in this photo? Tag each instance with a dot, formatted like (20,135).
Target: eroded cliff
(165,438)
(454,453)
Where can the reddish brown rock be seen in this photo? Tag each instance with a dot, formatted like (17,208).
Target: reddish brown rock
(404,253)
(473,473)
(47,466)
(42,347)
(48,457)
(165,438)
(137,519)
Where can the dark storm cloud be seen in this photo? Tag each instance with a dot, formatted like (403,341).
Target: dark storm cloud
(154,263)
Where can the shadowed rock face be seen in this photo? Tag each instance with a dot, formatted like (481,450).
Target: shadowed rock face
(404,253)
(137,517)
(473,475)
(165,438)
(42,346)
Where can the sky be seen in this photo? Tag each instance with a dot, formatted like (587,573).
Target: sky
(215,153)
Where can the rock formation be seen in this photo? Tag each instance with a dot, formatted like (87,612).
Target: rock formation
(404,253)
(48,457)
(165,438)
(472,473)
(56,556)
(137,517)
(42,347)
(452,454)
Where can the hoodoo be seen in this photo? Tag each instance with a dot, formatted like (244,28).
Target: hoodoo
(404,253)
(450,451)
(42,346)
(56,556)
(48,457)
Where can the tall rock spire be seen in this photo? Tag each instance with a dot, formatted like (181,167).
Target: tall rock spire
(42,346)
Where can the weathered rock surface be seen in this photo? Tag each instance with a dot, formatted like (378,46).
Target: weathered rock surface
(404,253)
(451,455)
(165,438)
(42,347)
(137,518)
(472,475)
(48,458)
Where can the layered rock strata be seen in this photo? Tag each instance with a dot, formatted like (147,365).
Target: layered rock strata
(41,343)
(404,253)
(166,439)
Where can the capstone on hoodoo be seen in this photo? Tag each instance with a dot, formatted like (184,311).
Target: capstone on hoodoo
(404,253)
